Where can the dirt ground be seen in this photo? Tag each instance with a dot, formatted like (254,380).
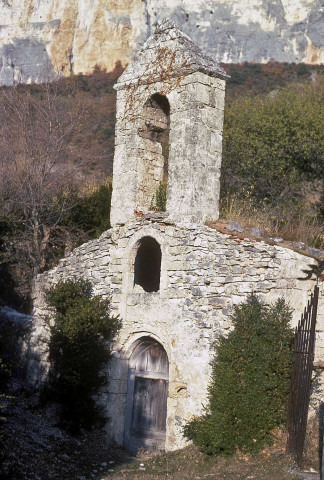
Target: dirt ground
(35,448)
(190,464)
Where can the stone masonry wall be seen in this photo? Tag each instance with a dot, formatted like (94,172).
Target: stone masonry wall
(204,273)
(196,125)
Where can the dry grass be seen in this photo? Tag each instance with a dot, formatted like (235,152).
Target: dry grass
(35,448)
(311,456)
(302,227)
(190,464)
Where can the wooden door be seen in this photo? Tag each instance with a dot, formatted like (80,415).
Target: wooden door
(146,406)
(149,407)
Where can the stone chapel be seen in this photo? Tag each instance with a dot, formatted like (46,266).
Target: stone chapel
(171,276)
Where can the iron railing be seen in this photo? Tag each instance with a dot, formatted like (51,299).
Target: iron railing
(301,376)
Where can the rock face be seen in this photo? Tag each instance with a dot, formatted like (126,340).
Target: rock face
(40,37)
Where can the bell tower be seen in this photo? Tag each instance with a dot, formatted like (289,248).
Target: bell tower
(169,125)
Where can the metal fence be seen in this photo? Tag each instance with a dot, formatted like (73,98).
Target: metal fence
(301,377)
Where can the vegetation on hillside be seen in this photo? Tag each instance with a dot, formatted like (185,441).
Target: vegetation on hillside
(249,388)
(82,214)
(91,210)
(249,79)
(274,144)
(36,165)
(53,136)
(273,161)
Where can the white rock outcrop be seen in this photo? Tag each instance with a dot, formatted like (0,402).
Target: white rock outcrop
(40,38)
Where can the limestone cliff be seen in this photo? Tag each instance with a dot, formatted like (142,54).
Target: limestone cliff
(40,38)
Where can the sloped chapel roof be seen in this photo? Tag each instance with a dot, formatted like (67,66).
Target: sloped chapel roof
(168,53)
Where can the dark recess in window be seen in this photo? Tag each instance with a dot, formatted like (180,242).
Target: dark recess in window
(157,124)
(148,265)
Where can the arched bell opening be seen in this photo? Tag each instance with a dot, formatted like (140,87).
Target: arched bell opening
(147,267)
(154,129)
(147,393)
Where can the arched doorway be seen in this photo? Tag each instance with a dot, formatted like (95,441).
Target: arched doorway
(147,393)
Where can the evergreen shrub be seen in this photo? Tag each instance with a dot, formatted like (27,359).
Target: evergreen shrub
(91,212)
(248,393)
(79,347)
(158,203)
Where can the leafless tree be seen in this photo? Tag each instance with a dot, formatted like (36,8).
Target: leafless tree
(38,166)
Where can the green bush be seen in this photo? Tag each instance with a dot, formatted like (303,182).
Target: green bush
(158,203)
(91,212)
(274,147)
(79,347)
(248,394)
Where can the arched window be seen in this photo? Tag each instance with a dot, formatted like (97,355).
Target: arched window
(157,123)
(147,269)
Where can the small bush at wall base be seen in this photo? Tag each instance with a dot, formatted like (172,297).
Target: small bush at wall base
(248,393)
(79,347)
(158,203)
